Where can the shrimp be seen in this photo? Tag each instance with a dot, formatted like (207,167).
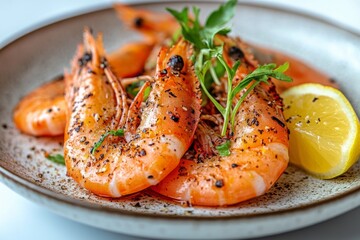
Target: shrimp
(43,111)
(154,25)
(158,28)
(156,134)
(299,71)
(258,152)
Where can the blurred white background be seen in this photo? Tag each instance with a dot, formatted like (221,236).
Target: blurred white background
(22,219)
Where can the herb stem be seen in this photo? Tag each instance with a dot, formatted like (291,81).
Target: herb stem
(233,114)
(230,75)
(118,133)
(214,76)
(218,106)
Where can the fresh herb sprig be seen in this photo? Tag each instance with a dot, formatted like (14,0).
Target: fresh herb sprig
(119,133)
(224,149)
(134,88)
(56,158)
(202,37)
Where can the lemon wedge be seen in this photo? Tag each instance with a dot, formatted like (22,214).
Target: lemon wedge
(324,130)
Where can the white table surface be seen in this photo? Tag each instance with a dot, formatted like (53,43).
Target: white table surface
(22,219)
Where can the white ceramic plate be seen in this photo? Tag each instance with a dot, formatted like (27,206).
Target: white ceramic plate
(297,200)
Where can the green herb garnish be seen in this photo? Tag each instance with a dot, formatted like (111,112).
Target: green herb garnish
(119,133)
(224,149)
(203,39)
(57,158)
(134,88)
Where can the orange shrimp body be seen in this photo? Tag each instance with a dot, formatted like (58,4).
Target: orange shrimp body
(42,112)
(154,25)
(258,153)
(130,59)
(156,135)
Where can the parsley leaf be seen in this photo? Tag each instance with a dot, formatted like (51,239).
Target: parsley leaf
(56,158)
(217,22)
(224,149)
(190,33)
(134,88)
(119,133)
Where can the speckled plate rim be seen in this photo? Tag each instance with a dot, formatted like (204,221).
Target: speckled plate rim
(11,179)
(206,227)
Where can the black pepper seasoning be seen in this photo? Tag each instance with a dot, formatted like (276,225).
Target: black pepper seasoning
(219,183)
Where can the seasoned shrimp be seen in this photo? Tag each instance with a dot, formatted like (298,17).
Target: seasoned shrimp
(258,153)
(152,146)
(42,112)
(299,71)
(130,59)
(156,26)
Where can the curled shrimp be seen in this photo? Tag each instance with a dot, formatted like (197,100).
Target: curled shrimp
(43,111)
(258,152)
(154,25)
(156,135)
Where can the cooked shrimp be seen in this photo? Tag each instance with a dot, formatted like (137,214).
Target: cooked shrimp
(42,112)
(157,27)
(299,71)
(130,59)
(154,25)
(154,145)
(258,153)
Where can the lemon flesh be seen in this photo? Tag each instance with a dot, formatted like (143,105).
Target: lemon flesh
(324,130)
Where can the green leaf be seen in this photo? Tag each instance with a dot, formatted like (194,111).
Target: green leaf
(222,15)
(190,33)
(282,68)
(57,158)
(196,23)
(217,21)
(118,133)
(134,88)
(262,73)
(235,68)
(224,149)
(203,37)
(182,17)
(281,76)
